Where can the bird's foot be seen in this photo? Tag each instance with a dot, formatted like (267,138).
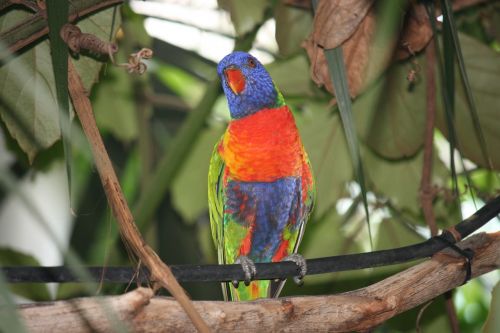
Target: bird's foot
(248,267)
(301,262)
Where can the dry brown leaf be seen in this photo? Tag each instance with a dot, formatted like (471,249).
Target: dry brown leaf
(336,20)
(356,54)
(416,34)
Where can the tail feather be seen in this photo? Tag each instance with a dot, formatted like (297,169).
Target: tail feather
(256,289)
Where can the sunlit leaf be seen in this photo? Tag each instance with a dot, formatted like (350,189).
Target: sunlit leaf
(189,88)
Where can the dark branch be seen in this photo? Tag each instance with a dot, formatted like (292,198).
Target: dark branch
(266,271)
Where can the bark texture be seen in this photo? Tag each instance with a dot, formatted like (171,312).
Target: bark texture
(353,311)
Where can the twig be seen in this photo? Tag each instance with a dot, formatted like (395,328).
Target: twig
(357,310)
(128,230)
(427,192)
(35,27)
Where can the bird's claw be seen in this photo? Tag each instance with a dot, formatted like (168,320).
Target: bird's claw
(301,262)
(248,267)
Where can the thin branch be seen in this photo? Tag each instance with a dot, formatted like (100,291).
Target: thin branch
(128,230)
(357,310)
(35,27)
(271,271)
(427,191)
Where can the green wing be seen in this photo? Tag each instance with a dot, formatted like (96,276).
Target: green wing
(216,199)
(216,205)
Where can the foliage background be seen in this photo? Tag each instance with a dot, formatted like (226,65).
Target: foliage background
(145,121)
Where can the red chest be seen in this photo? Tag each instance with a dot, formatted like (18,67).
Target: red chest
(264,146)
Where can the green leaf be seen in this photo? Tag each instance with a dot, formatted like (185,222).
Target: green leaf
(484,73)
(293,25)
(28,88)
(57,16)
(114,106)
(323,139)
(390,116)
(452,32)
(336,67)
(188,87)
(392,234)
(244,14)
(33,291)
(492,323)
(292,77)
(400,180)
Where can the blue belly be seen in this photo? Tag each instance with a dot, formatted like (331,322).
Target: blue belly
(270,207)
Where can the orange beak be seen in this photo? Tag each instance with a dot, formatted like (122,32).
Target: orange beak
(235,79)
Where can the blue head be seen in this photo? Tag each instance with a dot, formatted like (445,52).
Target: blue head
(247,85)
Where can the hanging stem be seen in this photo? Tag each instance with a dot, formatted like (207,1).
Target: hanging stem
(160,272)
(427,192)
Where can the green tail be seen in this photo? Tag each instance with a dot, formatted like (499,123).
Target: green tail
(256,289)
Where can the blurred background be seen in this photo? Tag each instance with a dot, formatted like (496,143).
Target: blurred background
(160,129)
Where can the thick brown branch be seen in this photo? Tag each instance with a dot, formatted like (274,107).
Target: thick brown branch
(353,311)
(128,230)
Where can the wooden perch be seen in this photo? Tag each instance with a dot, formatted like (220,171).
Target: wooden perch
(357,310)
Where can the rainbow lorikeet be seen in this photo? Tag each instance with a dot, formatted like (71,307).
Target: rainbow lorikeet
(260,183)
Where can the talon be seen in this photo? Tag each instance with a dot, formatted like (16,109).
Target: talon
(248,267)
(298,280)
(301,262)
(235,283)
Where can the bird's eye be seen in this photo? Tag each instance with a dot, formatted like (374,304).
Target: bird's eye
(251,63)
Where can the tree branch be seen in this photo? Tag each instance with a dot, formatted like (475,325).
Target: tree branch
(131,237)
(357,310)
(35,27)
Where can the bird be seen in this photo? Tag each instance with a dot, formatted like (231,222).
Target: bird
(260,182)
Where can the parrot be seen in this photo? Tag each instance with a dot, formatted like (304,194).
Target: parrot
(260,182)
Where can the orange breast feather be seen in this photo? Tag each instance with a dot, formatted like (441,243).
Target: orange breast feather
(263,147)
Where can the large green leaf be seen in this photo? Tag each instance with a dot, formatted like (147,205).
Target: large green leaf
(27,85)
(492,324)
(483,67)
(244,14)
(391,114)
(325,144)
(33,291)
(292,77)
(399,181)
